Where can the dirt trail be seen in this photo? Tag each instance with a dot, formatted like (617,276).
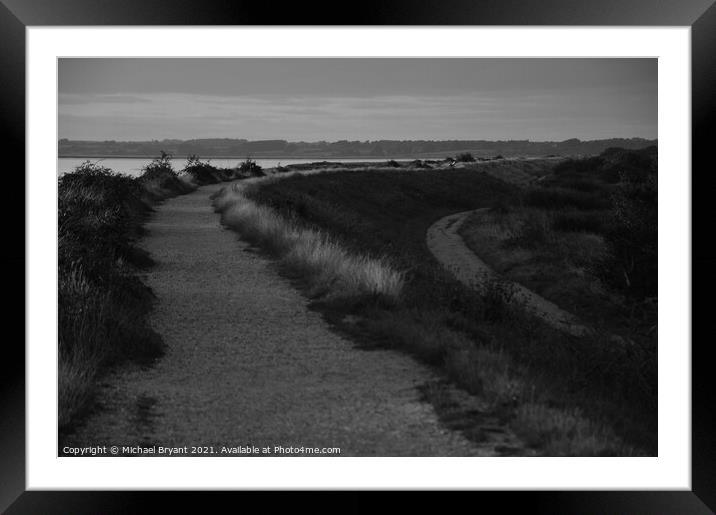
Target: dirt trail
(446,244)
(248,363)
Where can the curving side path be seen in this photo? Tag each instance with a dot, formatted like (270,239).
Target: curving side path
(448,247)
(248,363)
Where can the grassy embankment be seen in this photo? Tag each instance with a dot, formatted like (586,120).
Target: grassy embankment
(564,396)
(585,237)
(103,305)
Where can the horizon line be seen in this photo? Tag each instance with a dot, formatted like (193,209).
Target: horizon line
(354,140)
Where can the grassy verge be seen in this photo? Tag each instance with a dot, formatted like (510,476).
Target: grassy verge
(102,304)
(562,395)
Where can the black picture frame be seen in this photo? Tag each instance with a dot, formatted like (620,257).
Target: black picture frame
(16,15)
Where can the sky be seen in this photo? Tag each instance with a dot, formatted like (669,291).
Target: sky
(314,99)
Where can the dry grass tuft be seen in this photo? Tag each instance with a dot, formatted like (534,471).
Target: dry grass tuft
(330,269)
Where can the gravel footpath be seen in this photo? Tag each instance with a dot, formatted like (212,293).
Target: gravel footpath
(248,363)
(446,244)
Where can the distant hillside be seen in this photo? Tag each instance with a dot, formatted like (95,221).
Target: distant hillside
(239,148)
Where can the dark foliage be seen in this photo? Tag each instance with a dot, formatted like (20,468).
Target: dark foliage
(250,168)
(159,180)
(100,214)
(419,163)
(204,173)
(618,194)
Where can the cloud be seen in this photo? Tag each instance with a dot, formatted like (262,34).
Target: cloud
(488,115)
(75,99)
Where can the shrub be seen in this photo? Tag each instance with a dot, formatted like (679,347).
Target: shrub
(98,214)
(159,167)
(203,172)
(160,181)
(250,168)
(465,157)
(418,163)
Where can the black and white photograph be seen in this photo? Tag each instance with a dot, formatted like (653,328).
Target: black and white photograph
(416,247)
(335,257)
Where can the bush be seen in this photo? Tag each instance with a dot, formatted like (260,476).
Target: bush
(250,168)
(99,213)
(465,157)
(418,163)
(160,181)
(203,172)
(159,168)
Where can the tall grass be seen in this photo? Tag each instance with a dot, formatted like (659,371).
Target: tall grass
(328,267)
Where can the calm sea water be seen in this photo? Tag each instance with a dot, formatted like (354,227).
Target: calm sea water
(133,166)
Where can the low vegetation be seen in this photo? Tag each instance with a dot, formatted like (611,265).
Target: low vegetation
(249,168)
(585,237)
(201,173)
(324,265)
(563,395)
(102,304)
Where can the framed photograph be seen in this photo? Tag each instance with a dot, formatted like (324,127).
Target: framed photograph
(445,248)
